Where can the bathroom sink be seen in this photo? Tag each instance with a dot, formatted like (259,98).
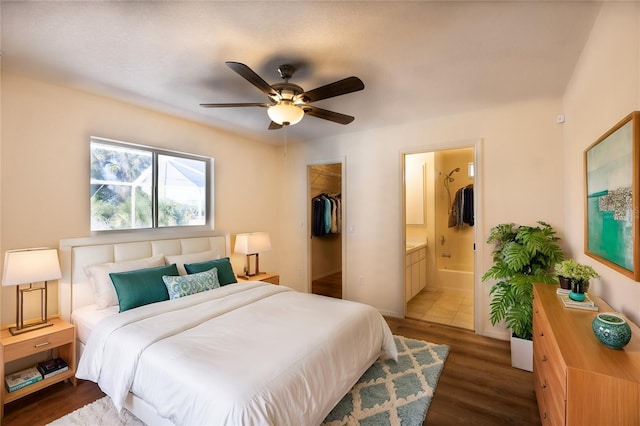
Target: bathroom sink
(411,246)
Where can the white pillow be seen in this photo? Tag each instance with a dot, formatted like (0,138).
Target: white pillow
(103,289)
(181,259)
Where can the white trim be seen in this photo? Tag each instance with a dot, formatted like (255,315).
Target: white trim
(479,237)
(343,234)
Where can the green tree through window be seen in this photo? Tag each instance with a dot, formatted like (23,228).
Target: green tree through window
(129,183)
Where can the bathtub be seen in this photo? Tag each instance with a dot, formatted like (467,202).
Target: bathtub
(454,278)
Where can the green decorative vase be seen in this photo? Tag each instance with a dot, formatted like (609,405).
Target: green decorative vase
(611,329)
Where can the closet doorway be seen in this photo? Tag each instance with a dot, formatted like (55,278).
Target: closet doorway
(325,219)
(440,228)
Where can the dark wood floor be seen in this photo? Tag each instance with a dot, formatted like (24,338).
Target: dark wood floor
(478,386)
(331,285)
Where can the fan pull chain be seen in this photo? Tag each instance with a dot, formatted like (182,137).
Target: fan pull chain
(285,139)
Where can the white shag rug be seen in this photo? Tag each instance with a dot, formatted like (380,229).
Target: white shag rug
(101,412)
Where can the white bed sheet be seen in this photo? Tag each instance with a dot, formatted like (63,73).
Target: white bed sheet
(87,318)
(251,353)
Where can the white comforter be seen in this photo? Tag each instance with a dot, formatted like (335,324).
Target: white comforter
(251,353)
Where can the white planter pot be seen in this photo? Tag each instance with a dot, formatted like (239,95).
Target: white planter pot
(522,353)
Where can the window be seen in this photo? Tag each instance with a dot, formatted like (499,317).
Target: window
(136,187)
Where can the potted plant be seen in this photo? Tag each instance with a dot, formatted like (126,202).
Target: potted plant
(563,270)
(522,255)
(575,273)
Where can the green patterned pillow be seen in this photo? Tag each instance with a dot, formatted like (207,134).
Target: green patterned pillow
(185,285)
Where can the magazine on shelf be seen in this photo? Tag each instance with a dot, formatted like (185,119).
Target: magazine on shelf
(22,379)
(586,304)
(52,367)
(55,372)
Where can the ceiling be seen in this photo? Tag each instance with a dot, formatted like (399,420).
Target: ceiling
(418,60)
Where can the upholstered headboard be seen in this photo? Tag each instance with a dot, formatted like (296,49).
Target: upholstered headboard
(76,254)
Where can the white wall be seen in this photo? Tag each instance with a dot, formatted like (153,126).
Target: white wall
(45,173)
(45,168)
(529,169)
(605,87)
(519,170)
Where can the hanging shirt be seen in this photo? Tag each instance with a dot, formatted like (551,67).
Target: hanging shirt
(317,216)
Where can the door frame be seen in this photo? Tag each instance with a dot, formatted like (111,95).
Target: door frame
(343,235)
(478,293)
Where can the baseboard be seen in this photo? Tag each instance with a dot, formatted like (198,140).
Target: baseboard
(392,314)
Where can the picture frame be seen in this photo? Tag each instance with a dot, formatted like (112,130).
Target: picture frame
(612,182)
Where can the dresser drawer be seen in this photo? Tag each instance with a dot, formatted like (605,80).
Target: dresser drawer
(38,344)
(545,347)
(549,370)
(551,365)
(551,402)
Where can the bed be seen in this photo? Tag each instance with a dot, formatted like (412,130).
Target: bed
(240,353)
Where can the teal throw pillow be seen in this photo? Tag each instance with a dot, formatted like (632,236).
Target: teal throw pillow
(225,271)
(142,286)
(185,285)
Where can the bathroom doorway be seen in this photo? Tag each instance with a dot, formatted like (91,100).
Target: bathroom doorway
(440,206)
(326,214)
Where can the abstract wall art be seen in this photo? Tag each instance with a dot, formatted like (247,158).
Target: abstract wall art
(611,204)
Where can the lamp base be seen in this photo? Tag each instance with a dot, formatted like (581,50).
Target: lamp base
(30,327)
(247,272)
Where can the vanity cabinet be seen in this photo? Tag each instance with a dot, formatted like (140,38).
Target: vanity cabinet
(579,381)
(415,277)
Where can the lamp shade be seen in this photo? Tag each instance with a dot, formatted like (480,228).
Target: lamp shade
(252,243)
(30,266)
(285,112)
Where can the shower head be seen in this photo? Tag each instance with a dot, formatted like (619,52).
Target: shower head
(448,177)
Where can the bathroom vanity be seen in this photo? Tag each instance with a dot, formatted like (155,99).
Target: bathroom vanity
(415,277)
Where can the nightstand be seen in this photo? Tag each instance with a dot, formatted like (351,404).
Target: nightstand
(61,336)
(267,277)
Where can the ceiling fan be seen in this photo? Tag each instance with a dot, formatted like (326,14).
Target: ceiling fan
(288,101)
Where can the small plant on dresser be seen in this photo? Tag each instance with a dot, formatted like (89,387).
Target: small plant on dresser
(575,272)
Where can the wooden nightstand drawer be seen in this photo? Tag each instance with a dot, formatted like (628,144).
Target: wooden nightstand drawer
(38,344)
(59,336)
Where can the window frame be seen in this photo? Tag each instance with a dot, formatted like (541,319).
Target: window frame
(155,153)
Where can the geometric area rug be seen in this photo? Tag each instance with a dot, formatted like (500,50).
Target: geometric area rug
(391,393)
(388,393)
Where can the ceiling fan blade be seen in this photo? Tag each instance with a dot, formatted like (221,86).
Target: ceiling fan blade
(274,126)
(263,104)
(253,78)
(341,87)
(327,115)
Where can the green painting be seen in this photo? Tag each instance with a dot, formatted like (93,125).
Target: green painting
(610,203)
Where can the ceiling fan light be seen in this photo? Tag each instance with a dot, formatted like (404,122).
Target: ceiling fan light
(285,113)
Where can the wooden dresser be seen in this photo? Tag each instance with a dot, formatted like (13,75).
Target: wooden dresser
(578,380)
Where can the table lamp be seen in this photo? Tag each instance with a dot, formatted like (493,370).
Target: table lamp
(252,244)
(30,266)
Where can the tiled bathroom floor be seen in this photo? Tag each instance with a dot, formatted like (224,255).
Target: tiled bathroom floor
(442,308)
